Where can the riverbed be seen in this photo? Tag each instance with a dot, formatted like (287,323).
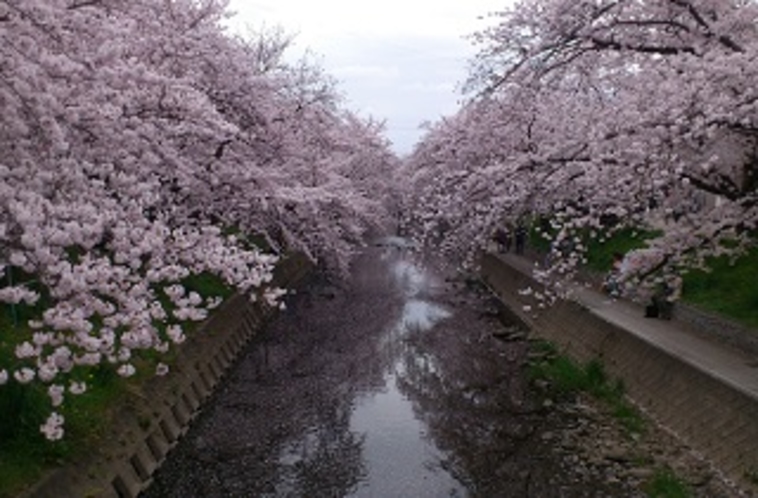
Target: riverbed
(391,384)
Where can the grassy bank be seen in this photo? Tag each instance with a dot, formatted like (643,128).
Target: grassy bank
(566,380)
(25,454)
(729,288)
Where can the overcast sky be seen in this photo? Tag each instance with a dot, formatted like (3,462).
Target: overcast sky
(397,60)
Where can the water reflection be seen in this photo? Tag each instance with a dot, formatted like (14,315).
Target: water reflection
(401,460)
(411,279)
(474,408)
(321,463)
(373,390)
(421,315)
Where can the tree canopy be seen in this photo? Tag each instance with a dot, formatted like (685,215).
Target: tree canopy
(142,143)
(589,111)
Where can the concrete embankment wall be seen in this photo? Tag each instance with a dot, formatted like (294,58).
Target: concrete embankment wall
(148,423)
(715,418)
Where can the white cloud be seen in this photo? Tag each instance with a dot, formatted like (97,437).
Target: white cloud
(399,60)
(366,71)
(446,87)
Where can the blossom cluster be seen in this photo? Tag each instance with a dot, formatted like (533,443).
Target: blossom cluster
(590,116)
(139,142)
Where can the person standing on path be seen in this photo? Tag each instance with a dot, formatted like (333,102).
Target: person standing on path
(502,238)
(520,237)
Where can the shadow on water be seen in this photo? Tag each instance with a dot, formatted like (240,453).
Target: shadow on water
(376,389)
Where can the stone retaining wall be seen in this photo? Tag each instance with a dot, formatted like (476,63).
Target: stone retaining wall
(715,419)
(150,421)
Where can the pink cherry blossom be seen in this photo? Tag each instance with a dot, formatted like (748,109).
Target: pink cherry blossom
(77,387)
(126,370)
(586,112)
(136,137)
(56,392)
(25,375)
(53,427)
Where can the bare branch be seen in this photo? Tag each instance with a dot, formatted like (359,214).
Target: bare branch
(645,49)
(701,21)
(83,3)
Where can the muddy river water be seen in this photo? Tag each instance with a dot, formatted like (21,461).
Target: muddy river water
(389,385)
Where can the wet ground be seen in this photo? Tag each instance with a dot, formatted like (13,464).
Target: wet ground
(391,385)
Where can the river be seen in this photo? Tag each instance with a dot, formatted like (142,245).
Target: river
(388,385)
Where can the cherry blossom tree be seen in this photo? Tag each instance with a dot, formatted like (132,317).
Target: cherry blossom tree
(140,143)
(586,111)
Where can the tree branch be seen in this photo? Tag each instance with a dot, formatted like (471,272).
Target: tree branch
(701,21)
(645,49)
(84,3)
(725,186)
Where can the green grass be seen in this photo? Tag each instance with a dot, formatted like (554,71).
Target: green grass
(18,471)
(537,239)
(751,475)
(567,378)
(23,409)
(729,289)
(24,452)
(665,484)
(601,247)
(248,240)
(600,251)
(207,285)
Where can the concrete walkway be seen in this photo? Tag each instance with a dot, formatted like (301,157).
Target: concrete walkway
(702,390)
(738,369)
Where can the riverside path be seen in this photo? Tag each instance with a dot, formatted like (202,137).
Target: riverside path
(701,383)
(390,385)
